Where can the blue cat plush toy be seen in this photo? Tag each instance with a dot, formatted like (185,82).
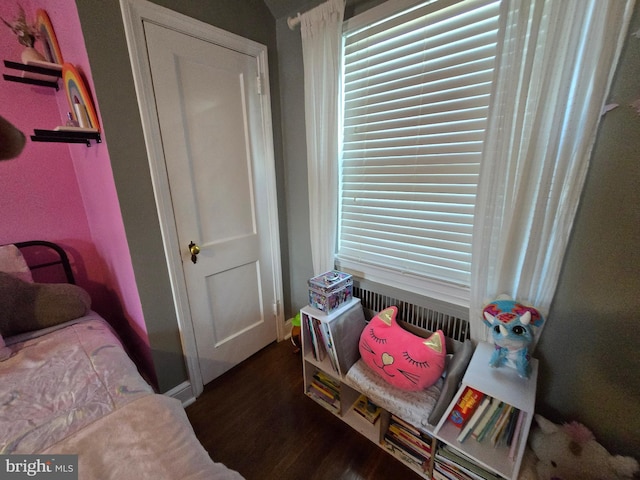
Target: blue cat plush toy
(511,328)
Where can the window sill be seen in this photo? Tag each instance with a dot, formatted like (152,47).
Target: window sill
(445,292)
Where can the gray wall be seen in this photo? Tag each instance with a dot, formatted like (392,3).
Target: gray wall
(589,350)
(105,40)
(295,158)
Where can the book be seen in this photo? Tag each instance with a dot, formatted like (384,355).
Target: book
(465,406)
(502,421)
(328,345)
(511,428)
(516,435)
(308,328)
(367,409)
(411,441)
(407,426)
(457,460)
(490,425)
(334,407)
(327,380)
(442,471)
(475,418)
(486,418)
(324,391)
(405,451)
(317,333)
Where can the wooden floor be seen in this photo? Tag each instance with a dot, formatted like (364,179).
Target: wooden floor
(255,419)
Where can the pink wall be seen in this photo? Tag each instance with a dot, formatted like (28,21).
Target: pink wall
(65,192)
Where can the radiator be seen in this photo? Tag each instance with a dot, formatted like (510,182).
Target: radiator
(418,315)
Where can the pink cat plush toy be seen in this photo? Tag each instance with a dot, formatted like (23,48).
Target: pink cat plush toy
(511,328)
(403,359)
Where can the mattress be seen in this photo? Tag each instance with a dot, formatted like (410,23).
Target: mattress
(72,389)
(57,382)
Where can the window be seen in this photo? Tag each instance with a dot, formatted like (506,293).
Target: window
(416,90)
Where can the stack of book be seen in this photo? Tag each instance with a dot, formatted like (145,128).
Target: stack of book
(321,340)
(367,409)
(325,390)
(407,442)
(488,420)
(484,419)
(452,465)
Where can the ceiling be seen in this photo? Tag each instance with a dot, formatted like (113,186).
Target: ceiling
(285,8)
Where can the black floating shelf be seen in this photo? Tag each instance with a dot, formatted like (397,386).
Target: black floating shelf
(65,137)
(51,72)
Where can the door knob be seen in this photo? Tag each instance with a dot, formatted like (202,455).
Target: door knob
(195,250)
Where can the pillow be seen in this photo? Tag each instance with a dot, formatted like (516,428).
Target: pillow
(453,377)
(403,359)
(12,261)
(27,306)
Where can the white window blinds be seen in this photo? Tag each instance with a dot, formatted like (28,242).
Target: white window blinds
(416,94)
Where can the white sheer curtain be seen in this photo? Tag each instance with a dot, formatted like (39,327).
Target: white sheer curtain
(554,70)
(321,30)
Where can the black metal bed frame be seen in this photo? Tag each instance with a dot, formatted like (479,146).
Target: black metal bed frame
(62,258)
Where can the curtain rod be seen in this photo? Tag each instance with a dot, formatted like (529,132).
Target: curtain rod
(294,21)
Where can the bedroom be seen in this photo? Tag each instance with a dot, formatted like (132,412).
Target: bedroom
(101,204)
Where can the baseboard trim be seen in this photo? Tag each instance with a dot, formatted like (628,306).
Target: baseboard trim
(182,392)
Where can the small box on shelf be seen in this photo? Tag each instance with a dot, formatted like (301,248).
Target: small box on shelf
(330,290)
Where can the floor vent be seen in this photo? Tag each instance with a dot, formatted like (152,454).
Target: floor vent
(420,316)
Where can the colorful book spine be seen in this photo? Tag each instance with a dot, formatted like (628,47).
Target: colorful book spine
(408,442)
(367,409)
(475,419)
(465,406)
(319,341)
(329,346)
(516,436)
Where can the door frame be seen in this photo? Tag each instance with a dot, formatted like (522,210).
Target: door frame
(134,13)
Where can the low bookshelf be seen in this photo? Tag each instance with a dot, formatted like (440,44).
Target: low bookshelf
(505,390)
(330,348)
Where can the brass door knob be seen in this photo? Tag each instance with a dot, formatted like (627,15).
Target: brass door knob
(194,250)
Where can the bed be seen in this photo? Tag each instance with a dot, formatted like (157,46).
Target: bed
(68,387)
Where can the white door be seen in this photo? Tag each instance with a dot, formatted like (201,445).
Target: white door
(211,123)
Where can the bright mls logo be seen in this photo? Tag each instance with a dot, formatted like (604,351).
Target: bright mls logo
(50,467)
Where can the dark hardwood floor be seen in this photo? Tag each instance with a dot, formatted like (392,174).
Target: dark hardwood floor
(256,419)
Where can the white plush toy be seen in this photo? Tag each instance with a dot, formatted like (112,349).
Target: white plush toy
(571,452)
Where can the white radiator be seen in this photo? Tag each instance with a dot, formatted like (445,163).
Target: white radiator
(420,316)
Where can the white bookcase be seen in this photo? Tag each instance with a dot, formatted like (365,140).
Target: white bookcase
(505,385)
(344,326)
